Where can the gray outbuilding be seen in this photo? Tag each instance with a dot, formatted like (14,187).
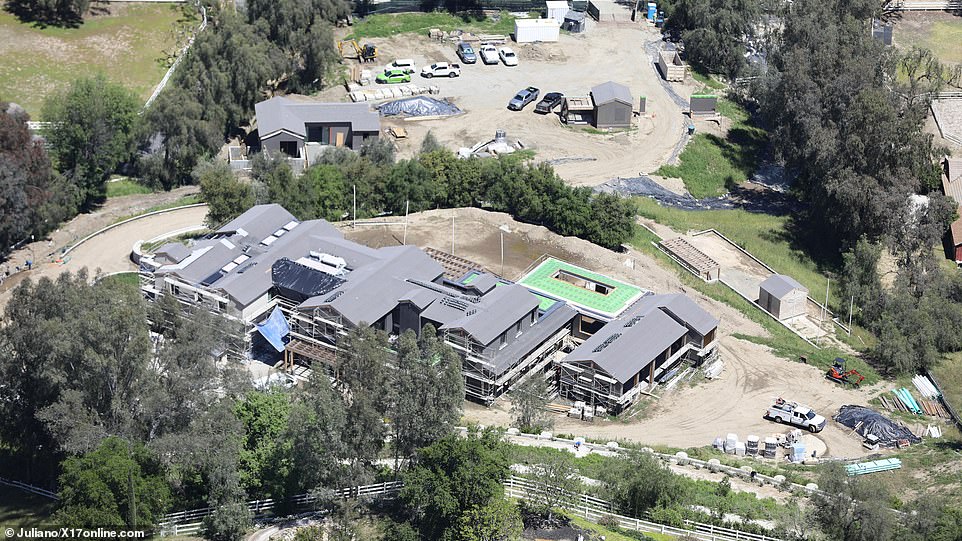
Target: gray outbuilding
(782,296)
(612,104)
(284,125)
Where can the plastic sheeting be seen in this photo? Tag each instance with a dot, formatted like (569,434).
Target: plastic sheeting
(872,422)
(274,329)
(419,106)
(299,283)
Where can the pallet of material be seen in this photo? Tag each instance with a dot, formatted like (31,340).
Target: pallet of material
(875,466)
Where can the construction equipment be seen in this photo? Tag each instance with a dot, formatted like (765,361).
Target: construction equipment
(351,49)
(838,373)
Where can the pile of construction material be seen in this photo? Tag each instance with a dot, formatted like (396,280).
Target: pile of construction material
(867,422)
(767,448)
(494,147)
(875,466)
(903,400)
(420,107)
(391,92)
(925,387)
(714,369)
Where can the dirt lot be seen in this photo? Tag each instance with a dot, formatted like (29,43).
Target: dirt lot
(688,416)
(573,65)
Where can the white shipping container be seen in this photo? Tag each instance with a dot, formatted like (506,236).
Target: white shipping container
(557,9)
(531,30)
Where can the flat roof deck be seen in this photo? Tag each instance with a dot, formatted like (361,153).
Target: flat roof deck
(611,299)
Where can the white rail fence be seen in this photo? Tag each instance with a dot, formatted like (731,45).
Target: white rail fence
(29,488)
(595,509)
(183,52)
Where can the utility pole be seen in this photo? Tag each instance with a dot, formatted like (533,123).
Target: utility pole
(354,220)
(407,209)
(502,253)
(452,233)
(825,306)
(851,306)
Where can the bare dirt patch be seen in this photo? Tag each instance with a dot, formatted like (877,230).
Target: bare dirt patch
(572,66)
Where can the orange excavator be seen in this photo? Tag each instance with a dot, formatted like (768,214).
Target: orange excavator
(838,373)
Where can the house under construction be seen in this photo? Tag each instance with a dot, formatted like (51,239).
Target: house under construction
(297,287)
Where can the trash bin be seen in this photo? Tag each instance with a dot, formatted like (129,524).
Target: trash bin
(691,129)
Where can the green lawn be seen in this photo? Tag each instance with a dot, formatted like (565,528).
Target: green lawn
(382,26)
(949,375)
(125,186)
(19,509)
(128,279)
(611,535)
(942,35)
(707,80)
(711,165)
(182,202)
(764,235)
(130,47)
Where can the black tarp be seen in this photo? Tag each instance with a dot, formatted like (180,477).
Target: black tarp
(872,422)
(298,282)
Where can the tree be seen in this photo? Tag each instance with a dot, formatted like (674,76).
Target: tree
(363,378)
(528,402)
(557,481)
(117,485)
(379,151)
(66,13)
(497,521)
(714,32)
(314,430)
(226,196)
(860,277)
(92,129)
(853,509)
(33,198)
(265,456)
(430,143)
(639,482)
(428,391)
(454,476)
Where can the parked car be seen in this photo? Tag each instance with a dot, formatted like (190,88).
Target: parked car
(549,102)
(441,69)
(393,76)
(489,54)
(466,53)
(405,64)
(507,56)
(793,413)
(523,98)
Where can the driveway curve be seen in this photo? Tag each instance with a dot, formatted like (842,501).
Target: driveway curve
(110,251)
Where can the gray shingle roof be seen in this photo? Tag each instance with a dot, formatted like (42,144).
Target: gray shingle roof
(484,283)
(624,351)
(282,113)
(496,312)
(173,252)
(259,222)
(779,285)
(532,338)
(610,91)
(682,309)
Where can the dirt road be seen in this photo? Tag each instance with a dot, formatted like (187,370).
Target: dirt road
(109,252)
(688,416)
(572,66)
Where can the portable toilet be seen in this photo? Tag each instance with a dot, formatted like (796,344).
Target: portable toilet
(652,11)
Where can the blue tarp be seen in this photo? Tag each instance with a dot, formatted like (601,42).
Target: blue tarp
(274,329)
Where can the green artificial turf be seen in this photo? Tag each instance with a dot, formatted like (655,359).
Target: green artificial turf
(542,278)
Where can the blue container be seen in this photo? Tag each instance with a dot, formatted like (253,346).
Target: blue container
(652,11)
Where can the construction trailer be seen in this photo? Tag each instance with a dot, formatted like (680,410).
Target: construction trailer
(536,30)
(671,66)
(556,9)
(783,297)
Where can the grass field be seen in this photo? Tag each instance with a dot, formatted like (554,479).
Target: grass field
(19,509)
(129,46)
(949,375)
(611,535)
(382,26)
(125,186)
(183,201)
(711,165)
(939,32)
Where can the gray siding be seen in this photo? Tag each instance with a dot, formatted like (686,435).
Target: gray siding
(613,115)
(273,144)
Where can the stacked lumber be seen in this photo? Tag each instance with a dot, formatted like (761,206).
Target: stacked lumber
(875,466)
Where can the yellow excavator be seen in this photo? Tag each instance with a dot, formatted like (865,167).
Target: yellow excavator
(368,53)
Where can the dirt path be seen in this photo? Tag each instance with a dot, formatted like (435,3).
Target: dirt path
(572,66)
(688,416)
(110,251)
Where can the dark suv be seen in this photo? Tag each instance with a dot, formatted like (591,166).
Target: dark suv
(549,102)
(466,53)
(523,98)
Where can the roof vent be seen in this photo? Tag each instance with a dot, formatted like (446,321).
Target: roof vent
(631,322)
(607,342)
(334,296)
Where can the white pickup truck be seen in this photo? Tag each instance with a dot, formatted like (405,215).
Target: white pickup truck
(441,69)
(793,413)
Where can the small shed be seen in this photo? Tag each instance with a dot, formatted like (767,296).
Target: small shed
(575,22)
(612,105)
(556,9)
(531,30)
(577,110)
(671,66)
(782,297)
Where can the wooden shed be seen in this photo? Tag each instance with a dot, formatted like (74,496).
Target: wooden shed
(782,297)
(577,110)
(671,66)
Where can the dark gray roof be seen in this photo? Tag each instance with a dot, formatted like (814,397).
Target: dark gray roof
(495,313)
(623,351)
(532,338)
(573,15)
(610,91)
(483,283)
(779,285)
(173,252)
(285,114)
(259,222)
(681,308)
